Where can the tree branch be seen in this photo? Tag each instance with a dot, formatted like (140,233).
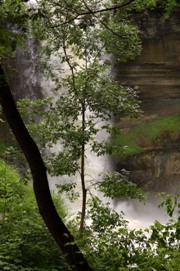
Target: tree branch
(106,9)
(114,8)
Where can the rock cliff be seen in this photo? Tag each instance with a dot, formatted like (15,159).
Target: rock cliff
(153,156)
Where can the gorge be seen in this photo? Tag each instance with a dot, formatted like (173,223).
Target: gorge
(77,135)
(154,162)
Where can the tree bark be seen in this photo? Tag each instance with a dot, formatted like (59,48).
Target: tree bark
(55,225)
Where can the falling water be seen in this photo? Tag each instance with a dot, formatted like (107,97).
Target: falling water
(31,83)
(138,214)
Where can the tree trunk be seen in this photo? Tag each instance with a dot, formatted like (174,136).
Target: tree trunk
(47,209)
(83,185)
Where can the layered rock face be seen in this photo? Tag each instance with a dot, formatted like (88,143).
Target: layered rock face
(156,164)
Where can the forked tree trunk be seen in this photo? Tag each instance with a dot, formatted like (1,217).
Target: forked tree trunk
(47,209)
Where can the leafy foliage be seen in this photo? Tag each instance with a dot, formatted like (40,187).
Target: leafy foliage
(13,26)
(116,185)
(25,243)
(110,245)
(80,38)
(85,97)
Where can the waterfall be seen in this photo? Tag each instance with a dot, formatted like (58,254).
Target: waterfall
(28,81)
(95,166)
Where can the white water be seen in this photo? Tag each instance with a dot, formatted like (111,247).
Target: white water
(142,215)
(138,214)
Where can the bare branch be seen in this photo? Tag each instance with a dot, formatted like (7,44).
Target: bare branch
(106,9)
(113,8)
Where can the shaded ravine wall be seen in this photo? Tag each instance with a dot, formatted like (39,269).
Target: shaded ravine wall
(157,73)
(24,72)
(24,78)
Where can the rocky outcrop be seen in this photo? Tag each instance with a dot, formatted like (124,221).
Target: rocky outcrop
(157,73)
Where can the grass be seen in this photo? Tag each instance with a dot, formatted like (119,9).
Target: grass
(151,133)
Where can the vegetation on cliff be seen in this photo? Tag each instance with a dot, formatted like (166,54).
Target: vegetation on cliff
(150,135)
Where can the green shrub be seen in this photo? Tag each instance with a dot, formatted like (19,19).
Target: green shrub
(25,242)
(110,245)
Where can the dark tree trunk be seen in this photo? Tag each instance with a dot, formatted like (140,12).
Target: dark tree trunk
(47,209)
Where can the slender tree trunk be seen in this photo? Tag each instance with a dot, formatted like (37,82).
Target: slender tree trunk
(84,192)
(83,185)
(47,209)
